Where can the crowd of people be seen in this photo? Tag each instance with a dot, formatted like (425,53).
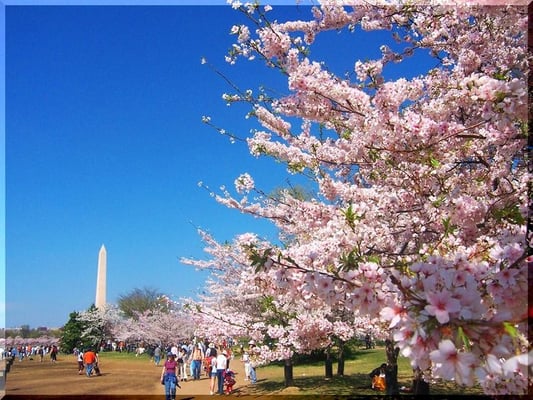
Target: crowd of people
(184,361)
(203,358)
(22,352)
(190,360)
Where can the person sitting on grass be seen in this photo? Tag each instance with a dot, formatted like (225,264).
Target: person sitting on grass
(378,377)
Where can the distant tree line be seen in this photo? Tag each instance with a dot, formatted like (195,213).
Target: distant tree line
(26,332)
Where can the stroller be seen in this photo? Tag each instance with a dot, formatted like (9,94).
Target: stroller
(229,380)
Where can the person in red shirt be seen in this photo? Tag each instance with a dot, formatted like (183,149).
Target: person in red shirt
(169,377)
(89,358)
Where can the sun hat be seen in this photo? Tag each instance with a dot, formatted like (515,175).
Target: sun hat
(170,354)
(211,345)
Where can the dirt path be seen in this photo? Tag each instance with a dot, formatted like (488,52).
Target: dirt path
(119,377)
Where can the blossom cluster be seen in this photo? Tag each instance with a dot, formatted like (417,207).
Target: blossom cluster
(419,219)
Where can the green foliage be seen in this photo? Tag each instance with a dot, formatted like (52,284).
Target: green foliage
(258,259)
(439,201)
(140,300)
(297,192)
(350,216)
(510,214)
(463,338)
(349,261)
(295,167)
(72,334)
(449,228)
(434,162)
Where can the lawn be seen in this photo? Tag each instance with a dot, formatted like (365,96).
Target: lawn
(125,374)
(309,378)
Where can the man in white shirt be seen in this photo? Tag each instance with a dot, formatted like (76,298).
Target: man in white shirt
(221,367)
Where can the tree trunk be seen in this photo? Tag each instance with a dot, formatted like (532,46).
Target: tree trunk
(420,386)
(288,373)
(391,375)
(329,364)
(340,364)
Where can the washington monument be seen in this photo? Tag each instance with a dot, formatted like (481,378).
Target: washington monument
(101,278)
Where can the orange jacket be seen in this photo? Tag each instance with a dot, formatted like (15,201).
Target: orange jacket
(89,357)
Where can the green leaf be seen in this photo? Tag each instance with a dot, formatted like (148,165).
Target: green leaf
(437,203)
(510,214)
(374,259)
(464,339)
(510,329)
(448,227)
(349,261)
(350,217)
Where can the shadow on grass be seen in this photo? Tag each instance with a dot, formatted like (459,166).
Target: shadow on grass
(351,386)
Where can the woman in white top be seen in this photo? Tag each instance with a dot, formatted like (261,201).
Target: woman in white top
(246,361)
(212,373)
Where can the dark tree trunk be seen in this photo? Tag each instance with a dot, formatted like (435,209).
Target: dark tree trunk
(329,364)
(420,386)
(340,364)
(288,372)
(391,374)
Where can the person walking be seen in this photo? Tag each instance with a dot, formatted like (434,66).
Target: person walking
(157,355)
(254,361)
(40,351)
(197,357)
(229,356)
(221,367)
(212,374)
(246,360)
(53,354)
(183,364)
(80,362)
(97,363)
(89,358)
(190,349)
(169,377)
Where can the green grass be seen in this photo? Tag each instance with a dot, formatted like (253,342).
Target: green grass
(309,378)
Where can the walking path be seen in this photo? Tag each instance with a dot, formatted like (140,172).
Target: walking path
(2,377)
(139,377)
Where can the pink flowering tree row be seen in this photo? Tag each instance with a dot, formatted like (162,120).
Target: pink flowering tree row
(162,326)
(421,207)
(244,302)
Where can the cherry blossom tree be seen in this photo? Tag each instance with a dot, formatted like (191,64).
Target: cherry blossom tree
(98,324)
(242,302)
(162,326)
(421,207)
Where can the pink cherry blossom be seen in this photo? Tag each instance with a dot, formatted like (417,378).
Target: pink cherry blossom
(441,305)
(417,224)
(449,363)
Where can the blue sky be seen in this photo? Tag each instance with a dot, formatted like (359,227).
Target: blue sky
(104,144)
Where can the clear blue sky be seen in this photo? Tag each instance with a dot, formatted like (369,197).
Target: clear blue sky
(104,145)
